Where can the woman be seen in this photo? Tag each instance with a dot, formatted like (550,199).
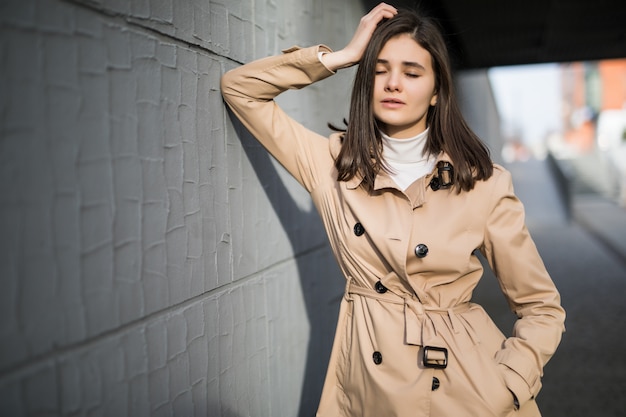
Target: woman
(407,195)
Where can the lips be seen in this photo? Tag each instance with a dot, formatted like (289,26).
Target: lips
(392,103)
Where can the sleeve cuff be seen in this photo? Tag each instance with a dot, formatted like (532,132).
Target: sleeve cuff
(517,385)
(321,50)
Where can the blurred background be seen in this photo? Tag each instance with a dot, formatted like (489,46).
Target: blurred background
(573,112)
(154,261)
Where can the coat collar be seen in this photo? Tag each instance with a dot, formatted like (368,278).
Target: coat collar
(416,191)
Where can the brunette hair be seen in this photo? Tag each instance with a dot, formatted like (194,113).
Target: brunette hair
(361,150)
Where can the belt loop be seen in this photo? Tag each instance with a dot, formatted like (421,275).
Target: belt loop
(347,294)
(413,324)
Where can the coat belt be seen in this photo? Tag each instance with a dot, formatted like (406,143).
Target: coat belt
(419,326)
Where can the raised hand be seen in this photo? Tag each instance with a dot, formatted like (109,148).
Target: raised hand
(351,54)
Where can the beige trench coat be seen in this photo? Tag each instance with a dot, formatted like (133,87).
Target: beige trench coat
(396,302)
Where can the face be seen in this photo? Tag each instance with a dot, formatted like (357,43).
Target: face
(404,87)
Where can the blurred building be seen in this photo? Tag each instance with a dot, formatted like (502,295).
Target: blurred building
(591,89)
(594,120)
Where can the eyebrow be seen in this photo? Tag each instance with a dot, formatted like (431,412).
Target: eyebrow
(405,63)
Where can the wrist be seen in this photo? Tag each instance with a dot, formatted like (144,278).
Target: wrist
(338,60)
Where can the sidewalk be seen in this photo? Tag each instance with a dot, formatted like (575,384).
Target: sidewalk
(605,221)
(601,218)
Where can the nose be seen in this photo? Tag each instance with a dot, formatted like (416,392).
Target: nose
(392,83)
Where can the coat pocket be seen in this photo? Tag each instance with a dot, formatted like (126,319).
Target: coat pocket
(497,396)
(484,375)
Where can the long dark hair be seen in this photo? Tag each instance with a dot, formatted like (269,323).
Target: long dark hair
(361,150)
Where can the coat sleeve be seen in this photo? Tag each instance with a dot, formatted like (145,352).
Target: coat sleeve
(531,294)
(249,91)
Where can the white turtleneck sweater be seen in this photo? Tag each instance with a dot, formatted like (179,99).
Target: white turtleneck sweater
(404,158)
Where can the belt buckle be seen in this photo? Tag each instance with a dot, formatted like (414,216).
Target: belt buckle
(435,357)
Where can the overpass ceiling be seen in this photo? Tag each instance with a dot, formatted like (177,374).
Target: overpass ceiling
(485,34)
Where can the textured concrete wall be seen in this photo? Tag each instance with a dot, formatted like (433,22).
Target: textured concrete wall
(153,259)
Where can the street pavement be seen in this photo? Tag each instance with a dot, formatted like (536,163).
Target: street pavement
(584,249)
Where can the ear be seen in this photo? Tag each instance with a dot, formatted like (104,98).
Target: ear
(433,99)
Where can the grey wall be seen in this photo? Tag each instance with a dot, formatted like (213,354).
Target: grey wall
(479,108)
(153,259)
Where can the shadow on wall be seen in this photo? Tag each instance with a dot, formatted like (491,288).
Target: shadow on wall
(321,294)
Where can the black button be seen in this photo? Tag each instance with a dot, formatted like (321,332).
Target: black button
(380,288)
(421,250)
(377,357)
(435,383)
(359,229)
(435,184)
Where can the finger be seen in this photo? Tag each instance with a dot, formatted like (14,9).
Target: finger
(378,13)
(385,9)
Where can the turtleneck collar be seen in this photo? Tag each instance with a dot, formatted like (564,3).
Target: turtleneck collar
(405,151)
(405,158)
